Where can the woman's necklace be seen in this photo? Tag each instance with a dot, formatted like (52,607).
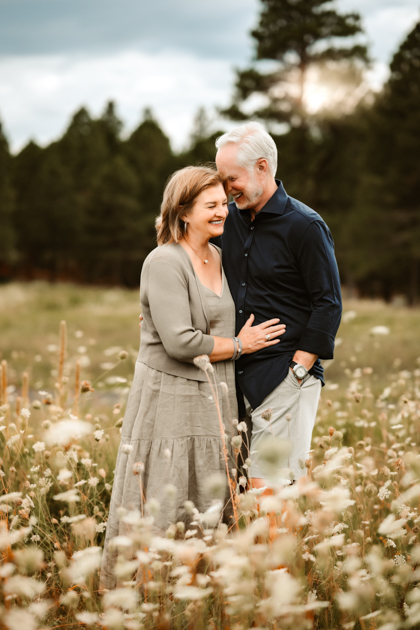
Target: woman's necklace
(193,250)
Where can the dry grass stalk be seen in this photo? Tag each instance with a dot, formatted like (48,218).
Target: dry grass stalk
(61,359)
(76,389)
(25,388)
(4,382)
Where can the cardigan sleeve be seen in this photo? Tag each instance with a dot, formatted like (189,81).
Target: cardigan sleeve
(167,291)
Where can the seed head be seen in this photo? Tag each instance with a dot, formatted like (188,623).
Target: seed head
(123,355)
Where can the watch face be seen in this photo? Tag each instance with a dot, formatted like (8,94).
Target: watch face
(300,372)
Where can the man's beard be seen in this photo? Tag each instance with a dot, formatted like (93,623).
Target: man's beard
(250,196)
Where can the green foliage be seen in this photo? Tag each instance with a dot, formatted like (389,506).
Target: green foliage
(386,223)
(7,232)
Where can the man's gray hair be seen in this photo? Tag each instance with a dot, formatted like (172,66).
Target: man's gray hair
(253,143)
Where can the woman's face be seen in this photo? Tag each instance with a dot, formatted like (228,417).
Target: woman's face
(208,214)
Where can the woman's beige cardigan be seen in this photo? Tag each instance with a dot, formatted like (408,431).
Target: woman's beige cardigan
(175,326)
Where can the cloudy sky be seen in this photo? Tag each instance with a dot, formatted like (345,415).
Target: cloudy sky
(171,55)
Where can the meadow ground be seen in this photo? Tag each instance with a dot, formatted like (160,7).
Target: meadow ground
(338,550)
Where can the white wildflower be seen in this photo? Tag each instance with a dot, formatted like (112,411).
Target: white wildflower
(100,527)
(66,431)
(85,562)
(80,483)
(71,496)
(87,462)
(25,413)
(13,440)
(12,497)
(383,493)
(93,481)
(18,618)
(192,593)
(380,330)
(126,448)
(399,559)
(125,598)
(23,586)
(64,474)
(88,618)
(98,434)
(39,447)
(390,525)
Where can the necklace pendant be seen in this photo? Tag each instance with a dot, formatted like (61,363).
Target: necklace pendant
(206,261)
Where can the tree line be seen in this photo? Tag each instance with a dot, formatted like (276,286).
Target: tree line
(83,208)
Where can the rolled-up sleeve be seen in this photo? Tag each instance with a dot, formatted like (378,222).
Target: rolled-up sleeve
(171,314)
(320,273)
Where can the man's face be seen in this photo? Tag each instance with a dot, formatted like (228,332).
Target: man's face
(245,187)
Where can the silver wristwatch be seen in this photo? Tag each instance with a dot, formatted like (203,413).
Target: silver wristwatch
(299,370)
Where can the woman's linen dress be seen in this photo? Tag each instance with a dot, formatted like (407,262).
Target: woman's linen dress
(171,428)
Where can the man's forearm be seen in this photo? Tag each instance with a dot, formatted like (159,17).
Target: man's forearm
(305,358)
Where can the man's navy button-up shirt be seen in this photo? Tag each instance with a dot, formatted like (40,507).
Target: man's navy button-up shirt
(282,265)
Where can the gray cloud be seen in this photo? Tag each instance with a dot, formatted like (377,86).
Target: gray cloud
(211,28)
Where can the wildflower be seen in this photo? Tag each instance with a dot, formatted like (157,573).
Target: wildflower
(88,618)
(98,434)
(25,413)
(123,355)
(125,598)
(203,362)
(87,462)
(64,475)
(23,586)
(236,441)
(399,560)
(266,415)
(126,448)
(85,386)
(100,527)
(20,618)
(93,481)
(71,496)
(383,493)
(85,562)
(138,468)
(12,497)
(192,593)
(13,440)
(380,330)
(69,599)
(66,431)
(36,538)
(242,427)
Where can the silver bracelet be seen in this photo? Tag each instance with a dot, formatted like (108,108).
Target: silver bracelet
(235,349)
(239,352)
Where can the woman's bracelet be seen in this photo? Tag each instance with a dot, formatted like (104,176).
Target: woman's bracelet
(235,349)
(239,352)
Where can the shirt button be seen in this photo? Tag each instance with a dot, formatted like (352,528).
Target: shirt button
(246,255)
(252,227)
(241,311)
(240,372)
(244,284)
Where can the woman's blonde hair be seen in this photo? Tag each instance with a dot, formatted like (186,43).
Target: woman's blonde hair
(180,193)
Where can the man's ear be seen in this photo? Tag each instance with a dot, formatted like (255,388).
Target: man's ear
(262,165)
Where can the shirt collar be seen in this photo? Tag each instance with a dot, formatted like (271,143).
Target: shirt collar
(276,204)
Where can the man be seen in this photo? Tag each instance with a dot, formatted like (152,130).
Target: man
(278,256)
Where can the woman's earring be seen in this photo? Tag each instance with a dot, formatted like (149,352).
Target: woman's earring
(185,226)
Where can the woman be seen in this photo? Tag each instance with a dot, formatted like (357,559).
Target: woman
(171,434)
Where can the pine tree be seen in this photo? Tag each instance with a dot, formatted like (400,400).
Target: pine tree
(112,249)
(293,35)
(7,232)
(387,224)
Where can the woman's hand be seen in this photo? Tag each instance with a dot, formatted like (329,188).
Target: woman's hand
(255,337)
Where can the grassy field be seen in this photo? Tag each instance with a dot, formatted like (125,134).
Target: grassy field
(339,550)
